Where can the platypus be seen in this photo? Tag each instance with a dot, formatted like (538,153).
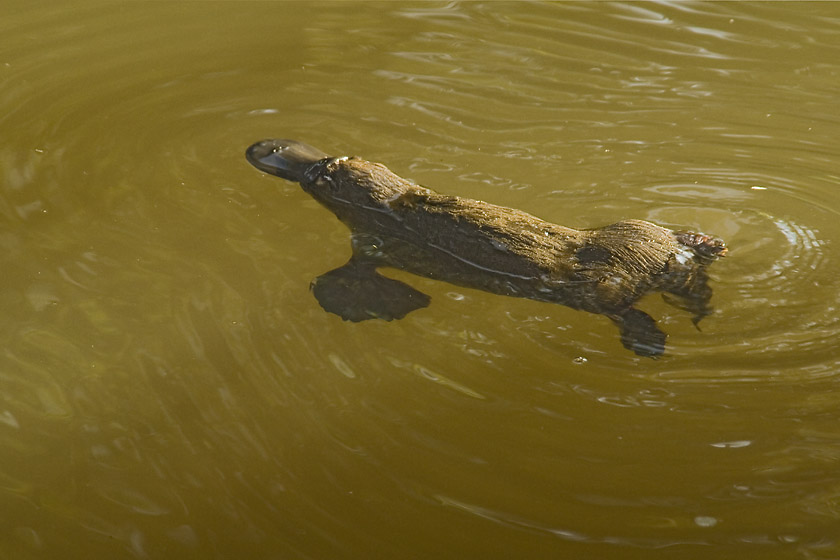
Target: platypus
(398,223)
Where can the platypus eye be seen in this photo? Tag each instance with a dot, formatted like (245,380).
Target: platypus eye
(316,172)
(326,181)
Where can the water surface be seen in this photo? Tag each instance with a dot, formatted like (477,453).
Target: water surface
(169,388)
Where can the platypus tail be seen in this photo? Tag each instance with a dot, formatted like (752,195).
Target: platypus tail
(707,248)
(288,159)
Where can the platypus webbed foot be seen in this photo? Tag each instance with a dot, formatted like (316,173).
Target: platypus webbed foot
(639,333)
(288,159)
(356,292)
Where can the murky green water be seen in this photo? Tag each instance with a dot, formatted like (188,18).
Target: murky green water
(169,388)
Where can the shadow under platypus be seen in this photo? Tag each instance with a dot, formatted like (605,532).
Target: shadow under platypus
(397,223)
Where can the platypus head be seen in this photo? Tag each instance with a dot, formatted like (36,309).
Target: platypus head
(350,187)
(284,158)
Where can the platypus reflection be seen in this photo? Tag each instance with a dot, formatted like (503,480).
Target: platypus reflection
(397,223)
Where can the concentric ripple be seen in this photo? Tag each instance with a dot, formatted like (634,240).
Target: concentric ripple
(775,293)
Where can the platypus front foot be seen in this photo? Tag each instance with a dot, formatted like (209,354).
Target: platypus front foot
(356,292)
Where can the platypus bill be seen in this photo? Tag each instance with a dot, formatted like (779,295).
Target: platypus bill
(397,223)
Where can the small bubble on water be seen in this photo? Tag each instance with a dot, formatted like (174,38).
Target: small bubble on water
(580,360)
(788,538)
(705,521)
(731,444)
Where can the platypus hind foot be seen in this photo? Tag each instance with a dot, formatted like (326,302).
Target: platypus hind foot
(639,333)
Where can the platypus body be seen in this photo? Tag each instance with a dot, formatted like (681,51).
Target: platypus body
(397,223)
